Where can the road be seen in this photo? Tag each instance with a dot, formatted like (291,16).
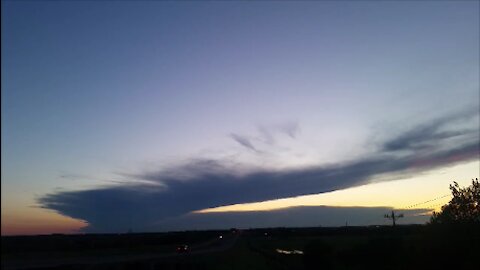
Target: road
(211,246)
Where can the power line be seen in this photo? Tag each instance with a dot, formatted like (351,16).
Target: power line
(394,217)
(437,198)
(435,205)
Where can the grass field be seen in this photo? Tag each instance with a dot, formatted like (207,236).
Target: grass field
(402,247)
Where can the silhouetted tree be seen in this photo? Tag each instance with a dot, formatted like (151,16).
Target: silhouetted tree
(464,207)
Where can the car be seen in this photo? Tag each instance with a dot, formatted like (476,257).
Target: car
(182,249)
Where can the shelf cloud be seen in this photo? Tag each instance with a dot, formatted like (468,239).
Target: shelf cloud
(211,184)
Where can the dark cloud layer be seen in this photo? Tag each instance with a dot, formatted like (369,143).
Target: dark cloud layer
(120,207)
(303,216)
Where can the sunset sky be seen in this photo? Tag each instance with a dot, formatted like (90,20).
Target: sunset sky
(155,116)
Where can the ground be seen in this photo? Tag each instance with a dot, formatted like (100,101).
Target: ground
(401,247)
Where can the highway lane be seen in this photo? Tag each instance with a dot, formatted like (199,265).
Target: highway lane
(214,245)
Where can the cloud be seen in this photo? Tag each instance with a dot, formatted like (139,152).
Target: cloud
(266,135)
(427,135)
(302,216)
(290,128)
(243,141)
(73,176)
(200,184)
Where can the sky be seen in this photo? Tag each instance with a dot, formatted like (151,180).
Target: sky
(157,116)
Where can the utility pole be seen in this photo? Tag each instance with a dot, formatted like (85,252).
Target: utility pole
(393,217)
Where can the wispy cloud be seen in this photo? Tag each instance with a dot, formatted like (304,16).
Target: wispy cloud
(429,134)
(244,141)
(200,184)
(290,128)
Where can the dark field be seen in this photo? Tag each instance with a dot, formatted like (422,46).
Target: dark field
(401,247)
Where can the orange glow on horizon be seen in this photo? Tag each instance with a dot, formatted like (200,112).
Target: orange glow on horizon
(408,193)
(38,229)
(36,223)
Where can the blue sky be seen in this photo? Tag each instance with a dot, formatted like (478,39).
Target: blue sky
(105,93)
